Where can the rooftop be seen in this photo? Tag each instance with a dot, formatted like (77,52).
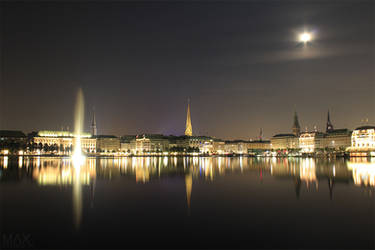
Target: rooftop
(284,135)
(365,127)
(105,136)
(339,131)
(50,133)
(12,133)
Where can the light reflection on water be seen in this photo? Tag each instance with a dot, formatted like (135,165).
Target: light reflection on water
(60,171)
(303,175)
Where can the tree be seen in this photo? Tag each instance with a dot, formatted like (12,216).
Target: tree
(46,148)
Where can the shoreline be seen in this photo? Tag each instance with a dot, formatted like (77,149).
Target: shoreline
(189,155)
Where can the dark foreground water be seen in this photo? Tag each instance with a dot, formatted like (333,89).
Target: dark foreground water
(187,202)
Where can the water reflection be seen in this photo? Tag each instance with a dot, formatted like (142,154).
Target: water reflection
(363,171)
(60,171)
(188,186)
(305,174)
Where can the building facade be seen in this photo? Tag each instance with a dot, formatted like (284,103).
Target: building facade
(12,141)
(107,143)
(263,145)
(310,142)
(284,142)
(337,139)
(150,143)
(64,141)
(363,140)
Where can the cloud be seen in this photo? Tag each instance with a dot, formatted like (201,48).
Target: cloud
(311,53)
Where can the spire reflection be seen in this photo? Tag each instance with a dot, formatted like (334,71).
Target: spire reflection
(303,173)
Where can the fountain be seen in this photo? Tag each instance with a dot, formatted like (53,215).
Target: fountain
(78,159)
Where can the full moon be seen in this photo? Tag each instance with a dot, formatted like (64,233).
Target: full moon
(305,37)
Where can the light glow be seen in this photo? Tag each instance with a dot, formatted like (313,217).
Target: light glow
(305,37)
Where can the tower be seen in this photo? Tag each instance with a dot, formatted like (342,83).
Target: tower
(93,124)
(260,134)
(329,127)
(296,128)
(189,129)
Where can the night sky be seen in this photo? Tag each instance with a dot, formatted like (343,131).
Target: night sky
(137,62)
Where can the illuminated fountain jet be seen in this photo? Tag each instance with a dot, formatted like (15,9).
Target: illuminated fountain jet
(78,157)
(78,160)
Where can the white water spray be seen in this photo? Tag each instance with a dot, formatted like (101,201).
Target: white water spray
(78,157)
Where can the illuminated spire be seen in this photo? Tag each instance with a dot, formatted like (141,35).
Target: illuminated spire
(189,129)
(93,124)
(296,128)
(329,124)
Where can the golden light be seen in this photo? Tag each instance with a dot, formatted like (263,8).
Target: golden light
(305,37)
(78,159)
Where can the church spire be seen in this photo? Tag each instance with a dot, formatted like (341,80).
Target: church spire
(329,127)
(189,129)
(296,128)
(93,124)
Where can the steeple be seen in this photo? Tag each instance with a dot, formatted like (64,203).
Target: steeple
(93,124)
(189,129)
(296,128)
(329,127)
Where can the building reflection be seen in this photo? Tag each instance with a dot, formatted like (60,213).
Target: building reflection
(363,170)
(304,173)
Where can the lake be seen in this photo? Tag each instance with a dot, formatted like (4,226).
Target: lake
(187,202)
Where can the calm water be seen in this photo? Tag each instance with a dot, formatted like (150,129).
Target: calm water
(177,202)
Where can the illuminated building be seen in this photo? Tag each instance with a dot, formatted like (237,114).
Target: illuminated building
(11,140)
(107,143)
(363,141)
(309,142)
(127,143)
(240,146)
(189,128)
(218,146)
(259,144)
(125,146)
(287,141)
(64,140)
(337,139)
(150,143)
(284,141)
(206,147)
(194,141)
(231,147)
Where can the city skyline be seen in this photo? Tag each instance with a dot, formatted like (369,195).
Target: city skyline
(138,62)
(138,124)
(295,121)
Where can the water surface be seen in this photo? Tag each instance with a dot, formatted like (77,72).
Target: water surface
(189,202)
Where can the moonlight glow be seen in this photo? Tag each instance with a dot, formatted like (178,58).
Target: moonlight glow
(305,37)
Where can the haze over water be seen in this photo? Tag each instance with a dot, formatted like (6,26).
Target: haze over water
(189,202)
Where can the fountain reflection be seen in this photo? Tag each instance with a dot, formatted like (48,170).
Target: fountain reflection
(303,173)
